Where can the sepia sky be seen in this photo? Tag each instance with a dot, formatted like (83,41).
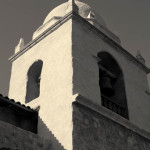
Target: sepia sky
(129,19)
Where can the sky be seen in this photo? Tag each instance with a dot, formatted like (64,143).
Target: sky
(129,19)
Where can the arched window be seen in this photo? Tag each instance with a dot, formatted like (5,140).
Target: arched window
(33,81)
(112,86)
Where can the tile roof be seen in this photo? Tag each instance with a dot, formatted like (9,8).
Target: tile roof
(11,102)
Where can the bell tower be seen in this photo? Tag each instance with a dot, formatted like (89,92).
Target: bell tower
(77,74)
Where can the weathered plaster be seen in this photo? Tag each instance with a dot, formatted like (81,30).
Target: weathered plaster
(68,49)
(55,86)
(87,44)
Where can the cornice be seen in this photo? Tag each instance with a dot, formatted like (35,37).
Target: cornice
(92,28)
(41,36)
(113,44)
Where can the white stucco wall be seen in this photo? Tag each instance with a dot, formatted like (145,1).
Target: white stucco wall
(56,97)
(86,44)
(69,68)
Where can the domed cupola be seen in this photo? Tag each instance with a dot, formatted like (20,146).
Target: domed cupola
(82,9)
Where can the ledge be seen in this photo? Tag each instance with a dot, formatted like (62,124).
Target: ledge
(41,36)
(97,31)
(111,115)
(114,44)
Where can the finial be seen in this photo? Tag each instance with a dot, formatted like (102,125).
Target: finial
(140,58)
(138,53)
(72,6)
(91,15)
(20,45)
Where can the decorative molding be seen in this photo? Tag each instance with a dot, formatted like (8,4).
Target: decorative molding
(41,36)
(114,44)
(92,28)
(53,18)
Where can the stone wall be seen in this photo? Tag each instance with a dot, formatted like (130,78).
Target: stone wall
(94,131)
(12,137)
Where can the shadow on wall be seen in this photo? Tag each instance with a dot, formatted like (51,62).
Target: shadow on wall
(46,133)
(33,83)
(111,82)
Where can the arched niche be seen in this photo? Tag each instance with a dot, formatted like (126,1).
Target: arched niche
(33,81)
(111,82)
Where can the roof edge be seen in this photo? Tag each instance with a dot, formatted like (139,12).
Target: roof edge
(16,104)
(100,33)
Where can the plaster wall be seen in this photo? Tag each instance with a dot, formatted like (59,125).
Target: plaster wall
(88,43)
(55,114)
(62,81)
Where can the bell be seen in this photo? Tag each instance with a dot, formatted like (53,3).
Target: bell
(106,86)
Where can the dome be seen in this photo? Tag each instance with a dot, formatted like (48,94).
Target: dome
(83,11)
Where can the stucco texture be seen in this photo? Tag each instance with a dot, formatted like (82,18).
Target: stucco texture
(55,114)
(70,68)
(87,43)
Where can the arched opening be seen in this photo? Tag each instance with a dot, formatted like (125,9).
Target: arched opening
(111,82)
(33,82)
